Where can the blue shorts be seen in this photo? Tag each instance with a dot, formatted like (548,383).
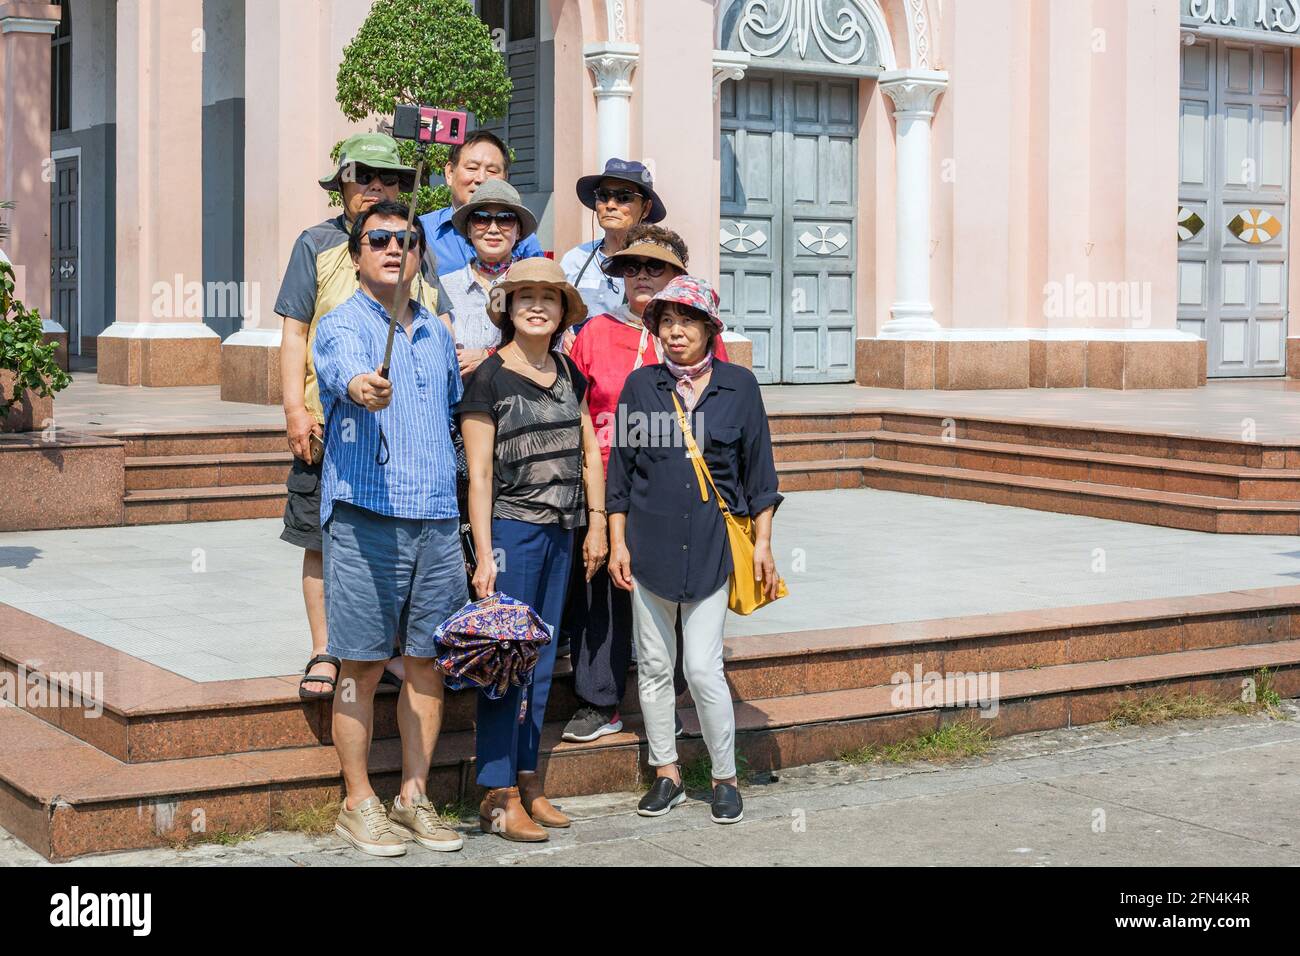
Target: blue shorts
(389,580)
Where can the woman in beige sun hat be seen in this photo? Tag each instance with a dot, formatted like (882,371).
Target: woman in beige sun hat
(534,476)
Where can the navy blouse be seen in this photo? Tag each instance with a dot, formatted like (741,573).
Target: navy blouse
(678,543)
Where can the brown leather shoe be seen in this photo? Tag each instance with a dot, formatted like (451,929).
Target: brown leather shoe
(536,805)
(502,813)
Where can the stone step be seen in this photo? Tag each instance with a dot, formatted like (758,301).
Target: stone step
(1138,505)
(200,441)
(213,503)
(158,472)
(65,798)
(1040,434)
(1130,471)
(150,714)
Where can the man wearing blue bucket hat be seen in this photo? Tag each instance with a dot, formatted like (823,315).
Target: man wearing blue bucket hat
(621,196)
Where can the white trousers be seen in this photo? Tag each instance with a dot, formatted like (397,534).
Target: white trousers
(654,623)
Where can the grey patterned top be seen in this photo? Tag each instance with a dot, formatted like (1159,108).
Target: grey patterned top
(468,302)
(537,461)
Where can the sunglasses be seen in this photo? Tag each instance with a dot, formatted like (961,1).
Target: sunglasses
(484,220)
(380,238)
(623,197)
(626,268)
(364,177)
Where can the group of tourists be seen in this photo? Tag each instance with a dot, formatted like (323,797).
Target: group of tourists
(493,454)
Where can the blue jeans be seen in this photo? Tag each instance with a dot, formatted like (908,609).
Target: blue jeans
(534,569)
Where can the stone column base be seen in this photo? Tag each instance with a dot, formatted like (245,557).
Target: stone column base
(250,367)
(159,354)
(30,413)
(1032,361)
(1293,357)
(53,332)
(740,350)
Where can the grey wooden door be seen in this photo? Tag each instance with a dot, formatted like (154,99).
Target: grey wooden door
(65,228)
(788,218)
(1233,233)
(750,230)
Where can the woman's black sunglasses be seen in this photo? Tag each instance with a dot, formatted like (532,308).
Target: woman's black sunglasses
(502,219)
(626,268)
(380,238)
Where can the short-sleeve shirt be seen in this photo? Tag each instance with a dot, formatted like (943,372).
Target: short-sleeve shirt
(320,277)
(600,292)
(606,352)
(537,460)
(467,301)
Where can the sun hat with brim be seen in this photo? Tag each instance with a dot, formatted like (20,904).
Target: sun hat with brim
(688,291)
(642,249)
(631,172)
(376,151)
(495,192)
(536,271)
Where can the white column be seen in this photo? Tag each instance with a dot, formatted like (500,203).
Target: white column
(612,65)
(913,93)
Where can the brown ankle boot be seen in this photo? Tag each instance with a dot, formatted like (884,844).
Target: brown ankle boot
(536,805)
(502,813)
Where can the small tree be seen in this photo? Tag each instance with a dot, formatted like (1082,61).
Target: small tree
(435,52)
(23,350)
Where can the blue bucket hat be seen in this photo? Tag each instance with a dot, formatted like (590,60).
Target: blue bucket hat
(631,172)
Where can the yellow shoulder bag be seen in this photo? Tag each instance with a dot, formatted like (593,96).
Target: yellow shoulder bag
(747,594)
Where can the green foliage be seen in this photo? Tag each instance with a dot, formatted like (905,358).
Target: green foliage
(435,52)
(22,347)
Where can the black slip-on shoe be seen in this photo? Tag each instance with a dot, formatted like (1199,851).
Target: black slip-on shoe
(727,807)
(663,796)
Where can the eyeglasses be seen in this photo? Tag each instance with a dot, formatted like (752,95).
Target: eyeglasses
(623,197)
(484,220)
(380,238)
(626,268)
(364,177)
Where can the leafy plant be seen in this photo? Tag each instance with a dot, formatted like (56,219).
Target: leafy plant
(23,350)
(435,52)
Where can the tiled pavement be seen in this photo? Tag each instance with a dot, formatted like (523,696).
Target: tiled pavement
(1227,409)
(221,600)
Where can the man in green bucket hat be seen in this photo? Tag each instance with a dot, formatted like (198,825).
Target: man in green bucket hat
(320,275)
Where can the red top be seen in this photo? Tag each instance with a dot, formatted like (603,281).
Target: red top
(605,352)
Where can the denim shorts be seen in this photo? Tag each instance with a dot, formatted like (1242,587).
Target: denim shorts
(389,580)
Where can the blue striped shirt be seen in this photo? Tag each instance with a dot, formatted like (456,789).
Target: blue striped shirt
(418,479)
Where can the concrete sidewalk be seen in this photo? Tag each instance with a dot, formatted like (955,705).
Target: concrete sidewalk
(1216,792)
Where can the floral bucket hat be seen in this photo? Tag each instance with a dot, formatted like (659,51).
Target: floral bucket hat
(684,290)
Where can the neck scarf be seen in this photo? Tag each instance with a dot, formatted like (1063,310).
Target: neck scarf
(492,269)
(686,375)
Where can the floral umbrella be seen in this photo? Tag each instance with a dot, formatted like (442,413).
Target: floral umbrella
(491,643)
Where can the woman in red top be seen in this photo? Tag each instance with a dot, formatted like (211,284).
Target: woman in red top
(608,349)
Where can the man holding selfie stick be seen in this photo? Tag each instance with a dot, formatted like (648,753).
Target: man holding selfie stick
(390,524)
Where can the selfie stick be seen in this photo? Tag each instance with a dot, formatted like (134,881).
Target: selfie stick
(401,270)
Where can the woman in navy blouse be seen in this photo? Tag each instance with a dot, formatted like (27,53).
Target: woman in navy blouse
(669,547)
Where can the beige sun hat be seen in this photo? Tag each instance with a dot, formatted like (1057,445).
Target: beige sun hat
(496,192)
(536,271)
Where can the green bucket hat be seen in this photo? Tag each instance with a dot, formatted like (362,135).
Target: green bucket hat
(375,151)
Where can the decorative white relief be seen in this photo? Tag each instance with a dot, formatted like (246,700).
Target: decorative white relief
(824,244)
(727,65)
(616,14)
(919,34)
(804,20)
(737,237)
(612,70)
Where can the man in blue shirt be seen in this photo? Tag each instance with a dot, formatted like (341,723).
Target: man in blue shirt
(390,528)
(481,157)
